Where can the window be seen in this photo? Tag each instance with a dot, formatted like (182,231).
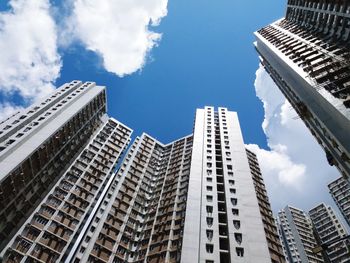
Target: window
(229,167)
(210,221)
(209,165)
(209,198)
(231,182)
(10,142)
(209,179)
(209,172)
(240,251)
(238,237)
(41,220)
(209,248)
(234,201)
(209,188)
(209,234)
(237,224)
(209,209)
(235,212)
(232,190)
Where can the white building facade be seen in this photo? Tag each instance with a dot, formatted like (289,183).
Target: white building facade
(307,54)
(223,221)
(340,192)
(328,228)
(200,198)
(297,236)
(38,144)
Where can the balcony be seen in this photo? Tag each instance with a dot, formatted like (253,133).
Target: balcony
(12,257)
(44,254)
(39,221)
(101,253)
(60,231)
(53,242)
(46,211)
(105,242)
(66,220)
(21,245)
(30,232)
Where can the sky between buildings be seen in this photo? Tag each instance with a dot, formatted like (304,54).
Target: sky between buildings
(160,61)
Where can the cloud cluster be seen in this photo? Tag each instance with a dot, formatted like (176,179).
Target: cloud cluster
(118,31)
(7,109)
(295,168)
(29,60)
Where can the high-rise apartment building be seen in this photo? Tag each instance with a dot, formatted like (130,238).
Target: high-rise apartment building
(51,230)
(271,231)
(297,236)
(196,199)
(328,228)
(340,192)
(223,221)
(191,200)
(307,54)
(63,148)
(142,215)
(38,144)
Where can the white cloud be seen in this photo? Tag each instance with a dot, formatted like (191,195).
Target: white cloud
(7,109)
(295,168)
(29,61)
(279,163)
(117,30)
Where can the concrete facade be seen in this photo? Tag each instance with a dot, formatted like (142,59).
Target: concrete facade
(142,215)
(270,227)
(297,236)
(224,221)
(308,56)
(39,143)
(200,198)
(179,202)
(50,232)
(328,228)
(340,192)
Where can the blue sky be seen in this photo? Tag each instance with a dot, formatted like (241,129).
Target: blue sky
(205,57)
(160,60)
